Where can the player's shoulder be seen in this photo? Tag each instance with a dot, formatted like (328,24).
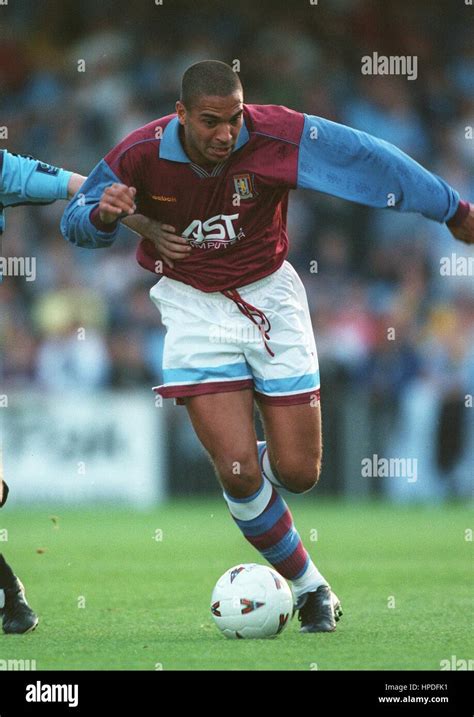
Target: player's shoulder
(142,140)
(275,121)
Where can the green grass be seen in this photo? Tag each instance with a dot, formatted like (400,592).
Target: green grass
(147,600)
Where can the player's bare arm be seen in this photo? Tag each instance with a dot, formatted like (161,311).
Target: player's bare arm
(75,183)
(170,245)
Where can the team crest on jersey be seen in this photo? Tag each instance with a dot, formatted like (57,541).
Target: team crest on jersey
(244,186)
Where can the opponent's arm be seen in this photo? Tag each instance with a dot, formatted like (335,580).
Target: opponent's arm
(354,165)
(75,183)
(28,180)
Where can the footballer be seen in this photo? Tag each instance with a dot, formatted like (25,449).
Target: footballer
(217,174)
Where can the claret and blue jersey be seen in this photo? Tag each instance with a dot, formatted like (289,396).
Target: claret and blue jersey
(234,217)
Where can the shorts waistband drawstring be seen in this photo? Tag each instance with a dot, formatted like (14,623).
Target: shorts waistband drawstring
(251,312)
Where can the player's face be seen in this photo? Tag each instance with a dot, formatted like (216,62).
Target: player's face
(211,127)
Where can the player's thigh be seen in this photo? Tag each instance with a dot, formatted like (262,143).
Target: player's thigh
(224,423)
(294,442)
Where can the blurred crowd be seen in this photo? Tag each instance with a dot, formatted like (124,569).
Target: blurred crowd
(384,314)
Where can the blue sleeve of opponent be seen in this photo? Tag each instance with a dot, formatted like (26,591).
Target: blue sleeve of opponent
(25,180)
(354,165)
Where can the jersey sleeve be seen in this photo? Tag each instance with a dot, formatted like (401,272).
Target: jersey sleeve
(25,179)
(81,223)
(354,165)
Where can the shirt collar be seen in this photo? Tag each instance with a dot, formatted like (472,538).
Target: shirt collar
(171,147)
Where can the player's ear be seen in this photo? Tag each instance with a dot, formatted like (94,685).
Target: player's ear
(180,111)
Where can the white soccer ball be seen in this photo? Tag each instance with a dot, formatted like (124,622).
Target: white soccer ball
(251,601)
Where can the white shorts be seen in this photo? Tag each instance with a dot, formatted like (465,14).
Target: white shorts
(212,347)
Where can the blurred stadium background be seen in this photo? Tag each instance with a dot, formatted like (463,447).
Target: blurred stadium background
(81,418)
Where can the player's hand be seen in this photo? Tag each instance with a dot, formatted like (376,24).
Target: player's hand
(465,231)
(116,200)
(171,246)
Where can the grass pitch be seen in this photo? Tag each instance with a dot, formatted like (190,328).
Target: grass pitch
(121,590)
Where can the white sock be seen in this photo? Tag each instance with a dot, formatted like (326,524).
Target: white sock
(309,581)
(253,506)
(265,466)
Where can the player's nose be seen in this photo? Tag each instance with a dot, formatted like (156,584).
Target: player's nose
(224,136)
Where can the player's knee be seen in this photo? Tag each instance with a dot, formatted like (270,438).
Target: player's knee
(240,475)
(300,477)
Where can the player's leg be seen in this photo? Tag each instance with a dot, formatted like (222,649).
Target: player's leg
(3,493)
(287,392)
(17,616)
(291,457)
(225,426)
(224,423)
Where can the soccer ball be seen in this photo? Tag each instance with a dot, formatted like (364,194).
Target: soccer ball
(251,601)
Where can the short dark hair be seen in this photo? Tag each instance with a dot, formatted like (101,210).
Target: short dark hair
(209,77)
